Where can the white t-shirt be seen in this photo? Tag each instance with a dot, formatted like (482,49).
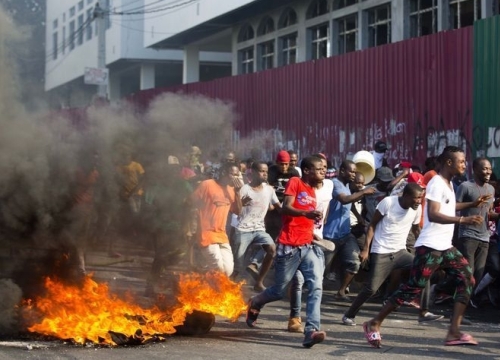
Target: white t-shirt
(438,236)
(323,198)
(252,215)
(392,231)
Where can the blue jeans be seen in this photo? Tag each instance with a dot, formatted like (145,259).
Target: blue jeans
(242,240)
(309,259)
(347,253)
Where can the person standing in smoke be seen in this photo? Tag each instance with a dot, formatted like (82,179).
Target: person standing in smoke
(130,178)
(214,198)
(166,216)
(82,210)
(194,161)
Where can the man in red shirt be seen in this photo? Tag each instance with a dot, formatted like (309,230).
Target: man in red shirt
(295,250)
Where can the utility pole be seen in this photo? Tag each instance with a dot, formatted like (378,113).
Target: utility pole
(100,17)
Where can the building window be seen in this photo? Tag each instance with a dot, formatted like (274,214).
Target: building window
(288,46)
(246,33)
(54,46)
(423,17)
(379,26)
(266,55)
(72,35)
(64,17)
(319,41)
(246,61)
(72,11)
(464,13)
(317,8)
(80,30)
(80,6)
(348,34)
(288,18)
(63,39)
(89,26)
(266,26)
(339,4)
(55,24)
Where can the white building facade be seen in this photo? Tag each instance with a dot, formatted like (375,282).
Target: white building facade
(72,46)
(265,34)
(159,43)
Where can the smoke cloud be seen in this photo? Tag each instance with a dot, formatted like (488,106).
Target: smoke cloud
(40,153)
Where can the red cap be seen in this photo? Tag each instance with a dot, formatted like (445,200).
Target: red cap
(417,178)
(283,157)
(404,164)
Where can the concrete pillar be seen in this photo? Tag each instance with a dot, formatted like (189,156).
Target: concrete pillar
(443,14)
(362,30)
(191,65)
(487,7)
(147,76)
(301,34)
(400,21)
(114,86)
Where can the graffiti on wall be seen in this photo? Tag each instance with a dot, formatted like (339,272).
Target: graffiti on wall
(407,140)
(487,140)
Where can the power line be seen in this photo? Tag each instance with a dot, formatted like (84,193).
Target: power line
(142,6)
(155,10)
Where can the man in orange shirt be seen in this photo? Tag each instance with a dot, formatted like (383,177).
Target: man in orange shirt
(213,199)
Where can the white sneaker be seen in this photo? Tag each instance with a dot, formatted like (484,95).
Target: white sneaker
(348,321)
(331,276)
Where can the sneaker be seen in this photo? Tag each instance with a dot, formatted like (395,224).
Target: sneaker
(331,276)
(252,314)
(412,303)
(442,298)
(347,291)
(428,316)
(348,321)
(295,325)
(253,270)
(313,337)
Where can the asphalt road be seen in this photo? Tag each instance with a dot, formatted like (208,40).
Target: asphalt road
(402,336)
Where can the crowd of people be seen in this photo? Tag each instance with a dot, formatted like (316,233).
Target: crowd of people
(417,236)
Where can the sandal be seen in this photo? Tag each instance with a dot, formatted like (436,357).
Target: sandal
(465,339)
(373,337)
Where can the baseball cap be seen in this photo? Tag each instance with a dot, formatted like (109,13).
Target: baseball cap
(283,157)
(417,178)
(404,164)
(385,174)
(380,146)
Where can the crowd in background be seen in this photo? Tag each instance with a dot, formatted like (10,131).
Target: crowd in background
(232,215)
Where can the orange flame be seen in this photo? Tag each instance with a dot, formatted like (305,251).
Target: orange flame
(90,312)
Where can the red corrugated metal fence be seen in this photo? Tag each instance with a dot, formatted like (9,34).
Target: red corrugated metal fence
(416,95)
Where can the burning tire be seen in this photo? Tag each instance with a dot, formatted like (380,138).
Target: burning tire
(196,323)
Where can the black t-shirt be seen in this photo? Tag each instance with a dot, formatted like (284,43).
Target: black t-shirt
(278,180)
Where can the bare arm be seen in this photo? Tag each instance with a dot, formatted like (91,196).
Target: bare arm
(349,199)
(415,229)
(288,209)
(377,217)
(479,202)
(434,215)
